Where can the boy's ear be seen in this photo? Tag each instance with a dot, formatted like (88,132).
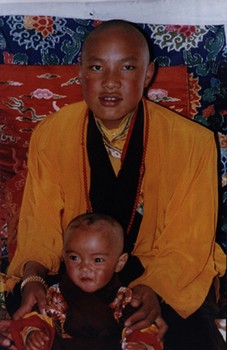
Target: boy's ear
(79,72)
(121,262)
(149,74)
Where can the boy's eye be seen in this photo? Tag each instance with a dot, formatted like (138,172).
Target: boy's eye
(96,68)
(128,67)
(98,260)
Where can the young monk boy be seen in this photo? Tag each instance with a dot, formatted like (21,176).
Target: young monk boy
(88,306)
(151,169)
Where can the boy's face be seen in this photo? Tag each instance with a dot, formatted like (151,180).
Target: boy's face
(114,71)
(91,257)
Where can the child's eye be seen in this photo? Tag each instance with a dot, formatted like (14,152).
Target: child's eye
(98,260)
(96,68)
(128,67)
(73,257)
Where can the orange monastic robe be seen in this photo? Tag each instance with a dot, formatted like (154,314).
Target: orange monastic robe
(176,240)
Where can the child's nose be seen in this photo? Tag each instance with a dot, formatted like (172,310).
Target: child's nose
(111,80)
(85,266)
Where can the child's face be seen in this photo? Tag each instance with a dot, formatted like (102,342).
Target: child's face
(91,257)
(115,70)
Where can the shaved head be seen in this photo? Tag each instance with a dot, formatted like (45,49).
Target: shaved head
(134,33)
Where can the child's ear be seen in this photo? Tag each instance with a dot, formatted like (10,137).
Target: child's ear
(121,262)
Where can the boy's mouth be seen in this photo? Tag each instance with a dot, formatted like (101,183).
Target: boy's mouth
(109,100)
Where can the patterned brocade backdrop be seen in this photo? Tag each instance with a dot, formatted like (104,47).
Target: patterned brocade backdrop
(45,40)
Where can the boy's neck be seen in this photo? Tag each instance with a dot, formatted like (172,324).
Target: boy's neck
(110,124)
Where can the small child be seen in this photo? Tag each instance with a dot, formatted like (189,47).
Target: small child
(87,309)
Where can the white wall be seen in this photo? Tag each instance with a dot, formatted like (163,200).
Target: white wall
(147,11)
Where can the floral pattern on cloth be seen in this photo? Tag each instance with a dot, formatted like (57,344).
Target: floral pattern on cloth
(178,37)
(56,309)
(197,52)
(179,96)
(124,296)
(147,335)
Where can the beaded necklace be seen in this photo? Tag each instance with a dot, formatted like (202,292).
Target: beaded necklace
(141,171)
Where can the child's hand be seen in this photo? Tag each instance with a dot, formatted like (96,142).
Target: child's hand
(37,340)
(6,341)
(137,346)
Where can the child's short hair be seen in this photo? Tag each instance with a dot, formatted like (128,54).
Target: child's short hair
(85,220)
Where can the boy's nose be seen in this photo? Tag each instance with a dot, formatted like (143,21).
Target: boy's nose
(111,80)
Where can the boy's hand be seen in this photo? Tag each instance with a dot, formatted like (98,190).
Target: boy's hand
(149,311)
(34,293)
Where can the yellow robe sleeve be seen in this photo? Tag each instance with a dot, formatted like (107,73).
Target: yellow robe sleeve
(53,193)
(40,213)
(176,243)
